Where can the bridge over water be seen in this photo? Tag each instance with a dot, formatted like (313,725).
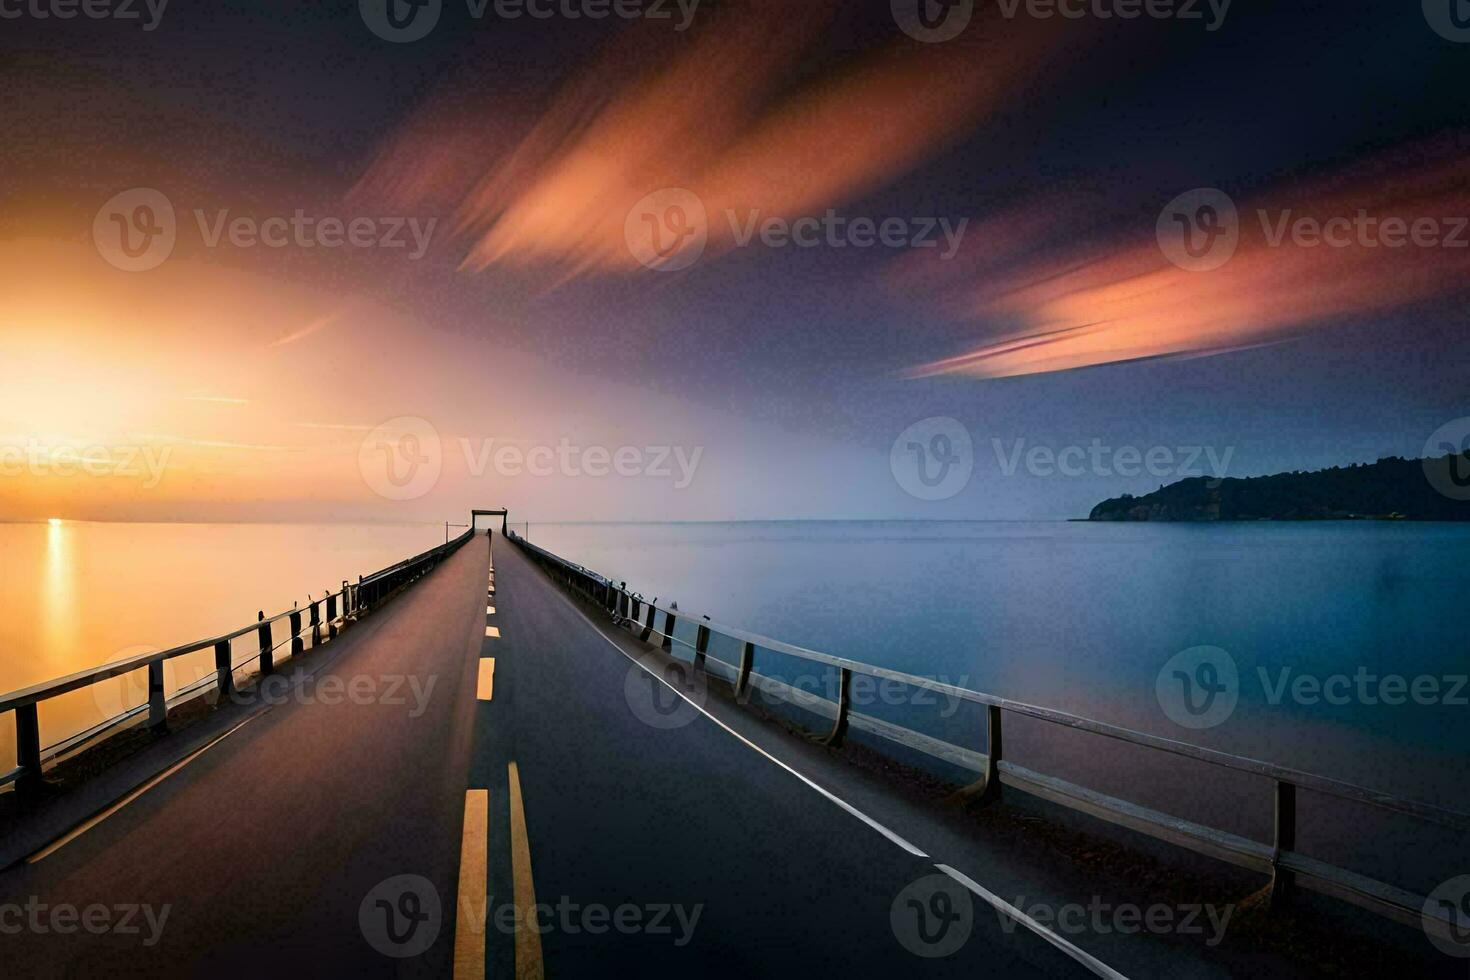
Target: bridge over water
(486,761)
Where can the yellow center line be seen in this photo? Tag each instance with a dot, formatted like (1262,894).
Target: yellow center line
(474,884)
(489,610)
(487,679)
(523,887)
(493,631)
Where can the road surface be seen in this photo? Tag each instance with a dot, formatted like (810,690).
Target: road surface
(463,764)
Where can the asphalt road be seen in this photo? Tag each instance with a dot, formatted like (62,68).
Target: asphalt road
(258,854)
(329,833)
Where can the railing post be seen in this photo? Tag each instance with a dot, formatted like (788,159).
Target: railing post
(844,703)
(1283,881)
(742,679)
(669,621)
(648,625)
(316,623)
(298,646)
(157,706)
(332,616)
(28,745)
(224,669)
(994,746)
(701,647)
(267,647)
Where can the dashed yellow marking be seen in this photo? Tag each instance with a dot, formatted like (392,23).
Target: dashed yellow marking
(489,610)
(492,631)
(474,878)
(486,688)
(523,888)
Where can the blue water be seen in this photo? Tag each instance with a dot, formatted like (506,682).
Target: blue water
(1083,617)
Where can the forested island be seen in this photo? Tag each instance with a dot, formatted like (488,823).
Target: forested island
(1390,489)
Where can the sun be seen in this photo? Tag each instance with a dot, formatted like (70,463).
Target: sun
(55,522)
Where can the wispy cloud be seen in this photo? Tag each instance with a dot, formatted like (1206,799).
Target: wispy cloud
(719,119)
(314,326)
(1126,301)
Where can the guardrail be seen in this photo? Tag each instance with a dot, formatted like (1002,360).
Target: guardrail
(324,617)
(1286,866)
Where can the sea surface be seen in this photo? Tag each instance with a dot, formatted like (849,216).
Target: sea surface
(75,595)
(1326,625)
(1087,617)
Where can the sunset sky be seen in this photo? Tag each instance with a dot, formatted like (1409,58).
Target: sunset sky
(241,381)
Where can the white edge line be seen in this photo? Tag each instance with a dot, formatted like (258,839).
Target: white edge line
(1010,911)
(895,838)
(1083,957)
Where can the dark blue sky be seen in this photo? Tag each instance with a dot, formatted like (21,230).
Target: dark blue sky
(259,98)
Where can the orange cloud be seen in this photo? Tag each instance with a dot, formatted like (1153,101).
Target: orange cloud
(1128,301)
(720,118)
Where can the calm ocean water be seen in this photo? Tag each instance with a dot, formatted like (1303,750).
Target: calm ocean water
(75,595)
(1081,617)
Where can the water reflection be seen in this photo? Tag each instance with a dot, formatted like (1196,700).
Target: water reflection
(59,602)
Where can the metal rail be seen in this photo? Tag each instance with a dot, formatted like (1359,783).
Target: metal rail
(1279,859)
(325,616)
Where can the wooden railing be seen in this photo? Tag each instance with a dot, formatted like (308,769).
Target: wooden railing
(1279,859)
(324,617)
